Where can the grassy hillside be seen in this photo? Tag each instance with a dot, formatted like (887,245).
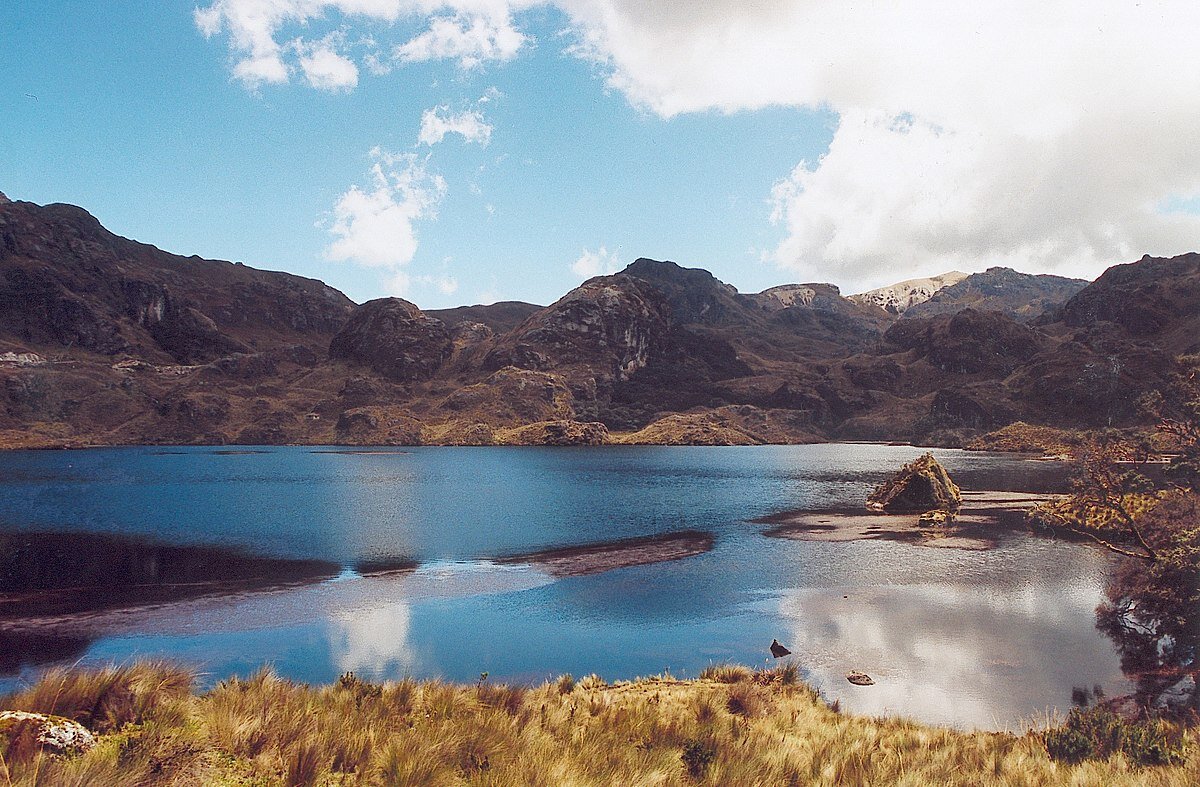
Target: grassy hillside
(732,726)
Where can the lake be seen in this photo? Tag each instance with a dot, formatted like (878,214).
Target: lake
(991,639)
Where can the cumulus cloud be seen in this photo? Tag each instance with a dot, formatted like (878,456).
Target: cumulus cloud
(375,226)
(596,263)
(437,122)
(1038,133)
(1047,134)
(324,68)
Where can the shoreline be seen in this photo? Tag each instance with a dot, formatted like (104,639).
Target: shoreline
(985,517)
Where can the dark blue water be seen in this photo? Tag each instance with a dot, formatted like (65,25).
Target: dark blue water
(974,638)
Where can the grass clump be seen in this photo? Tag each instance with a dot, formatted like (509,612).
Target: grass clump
(768,729)
(726,673)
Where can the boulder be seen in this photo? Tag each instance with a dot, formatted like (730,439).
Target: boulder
(859,678)
(921,485)
(51,733)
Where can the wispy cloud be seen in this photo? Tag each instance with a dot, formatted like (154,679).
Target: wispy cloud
(596,263)
(375,226)
(264,50)
(470,39)
(437,122)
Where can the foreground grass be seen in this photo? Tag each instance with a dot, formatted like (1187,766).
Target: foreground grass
(731,726)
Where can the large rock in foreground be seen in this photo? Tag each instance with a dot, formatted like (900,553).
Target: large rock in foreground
(51,733)
(921,485)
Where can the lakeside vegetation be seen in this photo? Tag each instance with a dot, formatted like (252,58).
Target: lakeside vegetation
(730,726)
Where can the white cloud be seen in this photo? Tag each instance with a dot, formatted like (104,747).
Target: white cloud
(471,39)
(1040,133)
(1046,134)
(325,69)
(596,263)
(375,226)
(470,32)
(446,285)
(436,123)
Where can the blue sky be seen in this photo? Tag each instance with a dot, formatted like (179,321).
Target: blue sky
(777,142)
(138,120)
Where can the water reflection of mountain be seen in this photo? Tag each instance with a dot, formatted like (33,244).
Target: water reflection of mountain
(46,575)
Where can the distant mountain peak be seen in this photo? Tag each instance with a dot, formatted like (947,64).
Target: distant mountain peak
(4,200)
(899,297)
(1024,296)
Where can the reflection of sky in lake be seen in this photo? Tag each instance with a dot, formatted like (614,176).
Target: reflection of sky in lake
(971,638)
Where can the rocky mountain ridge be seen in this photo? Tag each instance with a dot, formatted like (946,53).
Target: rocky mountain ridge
(107,341)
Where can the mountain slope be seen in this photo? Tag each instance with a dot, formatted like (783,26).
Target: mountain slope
(1022,295)
(900,297)
(68,281)
(105,340)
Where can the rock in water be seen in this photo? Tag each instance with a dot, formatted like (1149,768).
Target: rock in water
(777,650)
(921,485)
(54,733)
(859,678)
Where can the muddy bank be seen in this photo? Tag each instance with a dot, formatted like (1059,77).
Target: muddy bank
(984,518)
(595,558)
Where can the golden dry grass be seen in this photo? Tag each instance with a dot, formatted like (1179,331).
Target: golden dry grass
(733,727)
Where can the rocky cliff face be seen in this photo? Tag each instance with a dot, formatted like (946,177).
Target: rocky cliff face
(1153,300)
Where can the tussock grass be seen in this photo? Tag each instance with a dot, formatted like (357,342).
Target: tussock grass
(726,673)
(760,728)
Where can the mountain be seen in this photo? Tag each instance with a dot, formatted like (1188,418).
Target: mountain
(68,281)
(900,297)
(1022,295)
(107,341)
(499,317)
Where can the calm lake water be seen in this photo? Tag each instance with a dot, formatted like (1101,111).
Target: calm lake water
(988,639)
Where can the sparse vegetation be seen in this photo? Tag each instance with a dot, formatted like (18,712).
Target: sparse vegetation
(762,728)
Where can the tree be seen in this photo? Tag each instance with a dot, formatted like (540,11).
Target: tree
(1152,600)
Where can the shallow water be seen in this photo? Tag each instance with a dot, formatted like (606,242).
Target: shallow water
(976,639)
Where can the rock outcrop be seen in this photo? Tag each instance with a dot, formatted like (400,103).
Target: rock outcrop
(898,298)
(921,485)
(394,338)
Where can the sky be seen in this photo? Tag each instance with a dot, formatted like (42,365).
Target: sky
(479,150)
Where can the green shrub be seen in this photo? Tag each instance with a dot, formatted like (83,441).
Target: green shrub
(1098,733)
(697,755)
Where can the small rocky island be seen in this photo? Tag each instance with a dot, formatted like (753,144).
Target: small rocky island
(920,504)
(921,487)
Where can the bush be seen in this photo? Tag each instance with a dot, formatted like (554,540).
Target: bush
(1098,733)
(697,755)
